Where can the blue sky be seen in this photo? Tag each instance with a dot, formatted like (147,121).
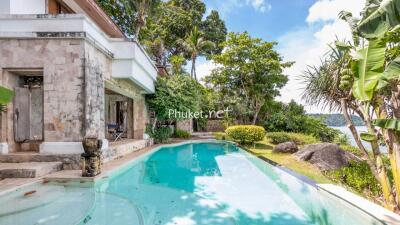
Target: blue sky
(303,29)
(277,17)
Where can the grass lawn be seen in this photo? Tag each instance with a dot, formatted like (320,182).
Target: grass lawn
(264,148)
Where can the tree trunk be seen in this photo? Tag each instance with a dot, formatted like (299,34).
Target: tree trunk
(377,167)
(353,130)
(257,109)
(193,72)
(385,184)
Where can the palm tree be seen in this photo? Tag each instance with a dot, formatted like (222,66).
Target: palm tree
(195,45)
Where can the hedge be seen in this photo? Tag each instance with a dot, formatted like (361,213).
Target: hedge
(246,134)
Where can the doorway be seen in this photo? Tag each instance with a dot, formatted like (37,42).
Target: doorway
(28,109)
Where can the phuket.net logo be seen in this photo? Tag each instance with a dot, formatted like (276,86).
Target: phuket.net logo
(212,114)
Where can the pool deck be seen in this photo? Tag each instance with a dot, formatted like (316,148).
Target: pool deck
(11,184)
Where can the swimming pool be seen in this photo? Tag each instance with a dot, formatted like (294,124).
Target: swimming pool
(212,183)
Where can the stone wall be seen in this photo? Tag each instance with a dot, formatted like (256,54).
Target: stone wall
(60,62)
(186,125)
(214,126)
(97,69)
(75,74)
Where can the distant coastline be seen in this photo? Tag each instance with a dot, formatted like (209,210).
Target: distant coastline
(337,120)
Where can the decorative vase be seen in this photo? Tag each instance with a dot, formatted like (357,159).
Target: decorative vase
(91,158)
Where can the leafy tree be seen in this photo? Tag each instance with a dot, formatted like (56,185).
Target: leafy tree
(195,45)
(178,92)
(250,72)
(143,8)
(214,30)
(292,118)
(129,15)
(194,8)
(121,12)
(177,61)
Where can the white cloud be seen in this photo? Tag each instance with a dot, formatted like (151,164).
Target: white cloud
(259,5)
(327,10)
(204,69)
(227,6)
(307,45)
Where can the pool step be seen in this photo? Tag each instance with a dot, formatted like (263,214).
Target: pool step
(203,135)
(70,161)
(28,169)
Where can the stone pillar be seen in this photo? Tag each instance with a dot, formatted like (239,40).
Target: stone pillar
(139,117)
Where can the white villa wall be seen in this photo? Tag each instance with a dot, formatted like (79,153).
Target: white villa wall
(4,7)
(22,6)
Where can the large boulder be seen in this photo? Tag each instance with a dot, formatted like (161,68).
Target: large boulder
(325,156)
(286,147)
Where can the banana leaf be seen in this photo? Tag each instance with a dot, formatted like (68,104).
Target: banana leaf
(391,124)
(367,137)
(6,95)
(393,70)
(370,68)
(381,20)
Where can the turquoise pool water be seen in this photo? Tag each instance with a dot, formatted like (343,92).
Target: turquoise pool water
(212,183)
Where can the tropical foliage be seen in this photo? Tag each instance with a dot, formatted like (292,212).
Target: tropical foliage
(363,77)
(195,45)
(182,134)
(250,73)
(178,93)
(160,134)
(6,96)
(292,118)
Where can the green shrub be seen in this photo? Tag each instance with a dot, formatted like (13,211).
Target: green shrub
(246,134)
(182,134)
(359,177)
(298,138)
(159,134)
(356,151)
(278,137)
(342,139)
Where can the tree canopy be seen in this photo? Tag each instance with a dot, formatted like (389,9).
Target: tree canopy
(178,92)
(250,72)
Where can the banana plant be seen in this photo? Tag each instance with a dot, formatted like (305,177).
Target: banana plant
(379,17)
(368,69)
(370,74)
(6,96)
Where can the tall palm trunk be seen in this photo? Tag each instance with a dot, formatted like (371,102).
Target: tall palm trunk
(193,71)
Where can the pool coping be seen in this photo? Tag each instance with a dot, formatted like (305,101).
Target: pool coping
(372,209)
(111,167)
(363,204)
